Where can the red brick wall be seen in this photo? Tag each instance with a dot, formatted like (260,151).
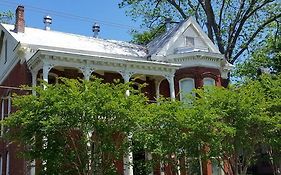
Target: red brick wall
(20,75)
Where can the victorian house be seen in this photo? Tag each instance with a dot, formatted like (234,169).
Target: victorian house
(173,64)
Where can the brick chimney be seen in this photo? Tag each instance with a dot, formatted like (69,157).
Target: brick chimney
(20,23)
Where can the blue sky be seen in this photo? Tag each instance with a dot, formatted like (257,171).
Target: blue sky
(77,16)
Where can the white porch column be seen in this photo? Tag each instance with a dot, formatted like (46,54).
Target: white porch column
(148,156)
(126,76)
(128,159)
(162,168)
(87,72)
(170,79)
(34,80)
(46,68)
(31,165)
(157,86)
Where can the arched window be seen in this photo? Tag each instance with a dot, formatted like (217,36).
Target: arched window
(186,86)
(209,82)
(7,163)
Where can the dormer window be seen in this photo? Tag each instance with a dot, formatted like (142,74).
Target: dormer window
(189,42)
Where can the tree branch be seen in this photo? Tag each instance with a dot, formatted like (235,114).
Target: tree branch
(212,23)
(232,33)
(221,12)
(245,17)
(232,25)
(177,6)
(261,27)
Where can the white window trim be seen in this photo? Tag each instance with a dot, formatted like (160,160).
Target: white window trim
(1,165)
(8,163)
(4,100)
(192,79)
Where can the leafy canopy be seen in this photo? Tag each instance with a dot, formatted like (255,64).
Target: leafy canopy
(267,56)
(6,17)
(70,126)
(81,127)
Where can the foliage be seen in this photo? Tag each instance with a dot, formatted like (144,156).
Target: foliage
(147,36)
(218,124)
(76,127)
(6,17)
(80,127)
(268,56)
(232,25)
(245,120)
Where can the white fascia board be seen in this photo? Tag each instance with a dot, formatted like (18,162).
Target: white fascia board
(12,54)
(197,54)
(81,52)
(110,57)
(98,57)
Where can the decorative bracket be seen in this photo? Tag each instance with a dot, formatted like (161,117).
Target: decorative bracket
(87,71)
(126,75)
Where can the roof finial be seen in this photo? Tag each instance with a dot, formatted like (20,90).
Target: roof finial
(47,21)
(96,30)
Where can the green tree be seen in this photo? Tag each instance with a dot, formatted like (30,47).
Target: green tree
(145,37)
(245,118)
(161,133)
(6,17)
(233,25)
(268,56)
(76,127)
(227,126)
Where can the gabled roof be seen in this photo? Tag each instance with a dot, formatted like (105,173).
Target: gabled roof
(39,38)
(160,45)
(155,45)
(52,40)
